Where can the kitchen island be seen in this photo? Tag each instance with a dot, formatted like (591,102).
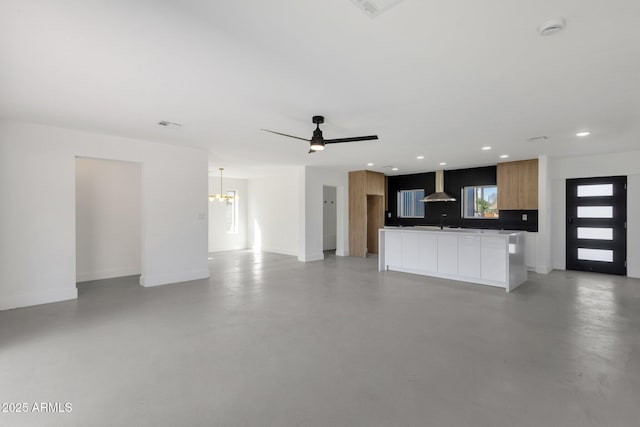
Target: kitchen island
(486,257)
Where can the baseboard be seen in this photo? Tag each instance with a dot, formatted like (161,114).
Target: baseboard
(341,253)
(37,298)
(147,280)
(543,269)
(276,251)
(311,257)
(107,274)
(239,248)
(559,266)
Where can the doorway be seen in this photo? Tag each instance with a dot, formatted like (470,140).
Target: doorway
(596,237)
(329,218)
(375,221)
(108,219)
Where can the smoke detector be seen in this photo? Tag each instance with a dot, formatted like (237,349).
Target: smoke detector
(551,26)
(373,8)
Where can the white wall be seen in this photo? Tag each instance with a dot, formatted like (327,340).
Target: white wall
(286,211)
(315,179)
(543,262)
(108,219)
(329,218)
(37,218)
(627,163)
(530,249)
(219,238)
(274,211)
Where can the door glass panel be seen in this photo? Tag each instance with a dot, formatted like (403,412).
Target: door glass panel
(605,255)
(595,233)
(595,211)
(595,190)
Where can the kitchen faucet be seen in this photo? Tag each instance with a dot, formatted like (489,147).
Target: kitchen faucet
(442,217)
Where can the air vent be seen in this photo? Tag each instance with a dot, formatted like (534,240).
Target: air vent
(374,8)
(551,26)
(538,138)
(169,124)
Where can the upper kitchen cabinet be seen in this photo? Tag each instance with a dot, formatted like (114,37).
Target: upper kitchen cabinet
(518,185)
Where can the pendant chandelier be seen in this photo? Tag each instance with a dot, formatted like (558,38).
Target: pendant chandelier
(222,197)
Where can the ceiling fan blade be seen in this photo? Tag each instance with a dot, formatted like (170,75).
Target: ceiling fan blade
(311,151)
(354,139)
(284,134)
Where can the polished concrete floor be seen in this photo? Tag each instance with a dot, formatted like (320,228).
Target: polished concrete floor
(269,341)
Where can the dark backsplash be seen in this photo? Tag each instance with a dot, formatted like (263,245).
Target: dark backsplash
(454,181)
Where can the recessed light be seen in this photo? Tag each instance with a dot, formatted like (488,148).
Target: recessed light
(443,163)
(583,133)
(504,156)
(420,157)
(486,148)
(394,169)
(369,164)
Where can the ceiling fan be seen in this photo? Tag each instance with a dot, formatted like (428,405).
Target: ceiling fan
(318,142)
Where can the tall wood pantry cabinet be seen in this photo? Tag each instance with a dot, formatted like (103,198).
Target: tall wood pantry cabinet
(366,211)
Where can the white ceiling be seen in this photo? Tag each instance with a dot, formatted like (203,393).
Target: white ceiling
(439,79)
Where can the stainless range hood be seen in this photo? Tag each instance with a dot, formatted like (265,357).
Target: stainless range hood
(439,195)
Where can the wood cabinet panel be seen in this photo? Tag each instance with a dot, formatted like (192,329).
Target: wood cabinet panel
(366,213)
(518,185)
(357,214)
(375,183)
(528,184)
(507,177)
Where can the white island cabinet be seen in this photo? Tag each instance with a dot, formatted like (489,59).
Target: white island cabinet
(487,257)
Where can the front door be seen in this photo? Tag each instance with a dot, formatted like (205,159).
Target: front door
(597,224)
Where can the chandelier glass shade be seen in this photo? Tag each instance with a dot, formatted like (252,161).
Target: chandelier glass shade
(221,196)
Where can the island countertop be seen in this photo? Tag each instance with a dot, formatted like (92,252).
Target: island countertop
(473,231)
(483,256)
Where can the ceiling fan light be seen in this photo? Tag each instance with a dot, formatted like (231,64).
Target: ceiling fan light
(317,145)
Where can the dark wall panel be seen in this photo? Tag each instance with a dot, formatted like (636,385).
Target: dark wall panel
(454,181)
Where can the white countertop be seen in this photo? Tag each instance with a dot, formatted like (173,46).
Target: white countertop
(431,228)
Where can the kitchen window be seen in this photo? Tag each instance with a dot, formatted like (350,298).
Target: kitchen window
(410,204)
(480,202)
